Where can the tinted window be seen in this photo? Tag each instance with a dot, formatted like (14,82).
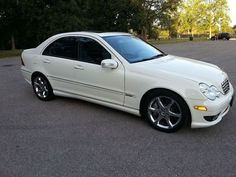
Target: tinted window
(65,47)
(133,49)
(91,51)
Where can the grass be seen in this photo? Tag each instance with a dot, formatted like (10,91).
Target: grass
(174,41)
(10,53)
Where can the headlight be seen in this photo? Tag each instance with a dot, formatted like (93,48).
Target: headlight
(211,92)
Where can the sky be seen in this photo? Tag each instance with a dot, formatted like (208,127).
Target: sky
(232,6)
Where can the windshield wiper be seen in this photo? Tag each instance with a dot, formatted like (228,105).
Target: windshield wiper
(153,57)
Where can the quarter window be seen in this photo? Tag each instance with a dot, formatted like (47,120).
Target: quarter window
(65,47)
(91,51)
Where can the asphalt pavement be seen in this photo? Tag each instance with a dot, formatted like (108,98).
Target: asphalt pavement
(71,138)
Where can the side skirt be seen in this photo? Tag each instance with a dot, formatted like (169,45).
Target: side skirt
(100,102)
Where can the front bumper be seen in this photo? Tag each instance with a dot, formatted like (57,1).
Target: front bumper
(216,109)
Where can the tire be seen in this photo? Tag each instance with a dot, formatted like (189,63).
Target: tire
(42,88)
(165,110)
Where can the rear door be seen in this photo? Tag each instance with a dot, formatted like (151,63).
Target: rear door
(58,62)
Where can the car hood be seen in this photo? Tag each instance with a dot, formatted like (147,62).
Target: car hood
(195,70)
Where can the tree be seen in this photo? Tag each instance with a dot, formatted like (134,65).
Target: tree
(9,20)
(191,16)
(203,15)
(108,15)
(26,23)
(168,17)
(216,15)
(149,13)
(234,28)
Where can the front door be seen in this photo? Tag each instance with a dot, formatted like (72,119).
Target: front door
(93,81)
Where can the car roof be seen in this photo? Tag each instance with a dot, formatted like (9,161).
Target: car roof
(112,34)
(101,34)
(86,33)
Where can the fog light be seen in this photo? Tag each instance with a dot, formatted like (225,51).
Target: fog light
(200,108)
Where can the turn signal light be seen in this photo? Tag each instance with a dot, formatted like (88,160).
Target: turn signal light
(200,108)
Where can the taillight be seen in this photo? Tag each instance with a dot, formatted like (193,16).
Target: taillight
(22,62)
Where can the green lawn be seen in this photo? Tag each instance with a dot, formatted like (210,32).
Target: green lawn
(10,53)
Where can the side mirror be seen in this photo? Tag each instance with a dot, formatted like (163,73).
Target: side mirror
(109,63)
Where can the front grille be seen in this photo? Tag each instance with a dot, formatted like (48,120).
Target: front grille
(225,86)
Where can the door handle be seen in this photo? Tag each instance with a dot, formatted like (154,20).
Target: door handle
(79,67)
(46,61)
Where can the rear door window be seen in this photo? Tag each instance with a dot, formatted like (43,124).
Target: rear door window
(66,47)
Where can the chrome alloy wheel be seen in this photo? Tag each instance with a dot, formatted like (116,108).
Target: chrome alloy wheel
(41,87)
(164,112)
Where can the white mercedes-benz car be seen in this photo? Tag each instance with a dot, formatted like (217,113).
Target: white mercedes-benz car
(123,72)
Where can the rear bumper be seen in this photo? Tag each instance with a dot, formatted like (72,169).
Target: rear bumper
(216,110)
(26,74)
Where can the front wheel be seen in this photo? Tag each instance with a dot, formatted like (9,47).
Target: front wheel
(165,110)
(42,88)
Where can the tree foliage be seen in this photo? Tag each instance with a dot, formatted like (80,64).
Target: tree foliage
(29,22)
(200,16)
(26,23)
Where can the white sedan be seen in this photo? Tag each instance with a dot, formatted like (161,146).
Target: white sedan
(123,72)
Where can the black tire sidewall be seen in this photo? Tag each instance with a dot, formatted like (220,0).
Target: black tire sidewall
(50,95)
(177,98)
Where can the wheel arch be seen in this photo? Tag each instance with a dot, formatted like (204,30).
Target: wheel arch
(37,73)
(168,90)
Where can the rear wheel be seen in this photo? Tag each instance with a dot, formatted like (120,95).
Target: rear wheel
(42,88)
(165,110)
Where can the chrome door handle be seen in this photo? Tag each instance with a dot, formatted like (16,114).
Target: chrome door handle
(47,61)
(79,67)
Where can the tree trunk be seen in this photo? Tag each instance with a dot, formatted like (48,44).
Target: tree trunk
(144,33)
(13,46)
(210,32)
(191,32)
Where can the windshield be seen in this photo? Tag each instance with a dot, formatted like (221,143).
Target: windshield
(133,49)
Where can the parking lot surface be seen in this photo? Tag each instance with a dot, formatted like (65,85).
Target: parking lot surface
(70,138)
